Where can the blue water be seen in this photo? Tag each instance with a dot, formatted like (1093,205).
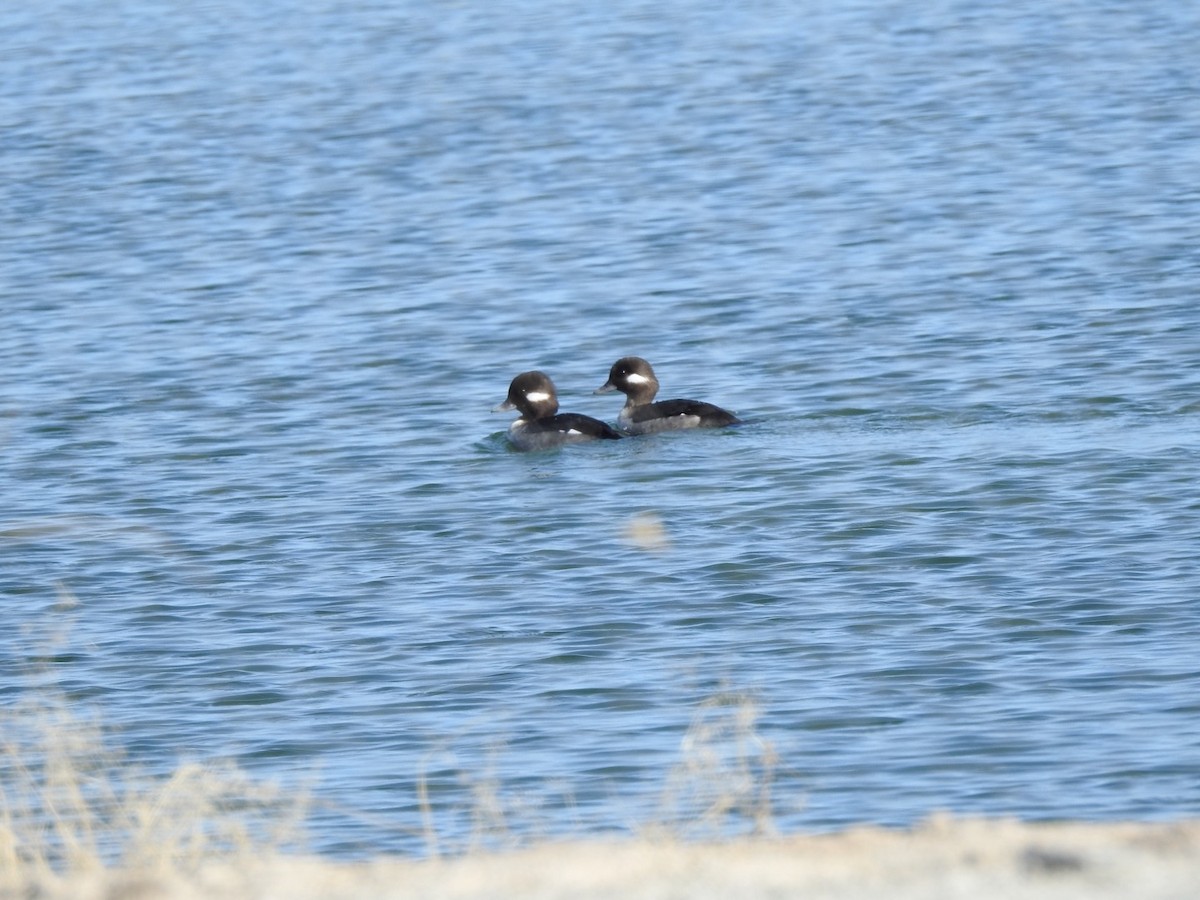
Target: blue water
(264,272)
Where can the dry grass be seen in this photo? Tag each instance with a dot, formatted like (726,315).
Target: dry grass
(722,783)
(77,822)
(71,804)
(720,787)
(486,821)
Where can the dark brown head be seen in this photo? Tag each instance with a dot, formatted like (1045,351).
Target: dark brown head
(633,377)
(533,394)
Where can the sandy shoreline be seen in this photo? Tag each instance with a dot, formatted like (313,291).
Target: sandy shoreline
(983,859)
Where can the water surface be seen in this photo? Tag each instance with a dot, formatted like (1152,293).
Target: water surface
(264,273)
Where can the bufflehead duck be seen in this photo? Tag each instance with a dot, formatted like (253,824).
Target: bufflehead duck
(633,377)
(541,425)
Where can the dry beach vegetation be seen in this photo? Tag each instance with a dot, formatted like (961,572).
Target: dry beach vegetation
(76,822)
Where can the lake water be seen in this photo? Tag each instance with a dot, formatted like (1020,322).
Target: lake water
(265,271)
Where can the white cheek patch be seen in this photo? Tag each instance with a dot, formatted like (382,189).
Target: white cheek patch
(635,378)
(537,396)
(574,431)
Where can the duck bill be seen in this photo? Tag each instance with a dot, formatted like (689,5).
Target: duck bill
(503,407)
(605,388)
